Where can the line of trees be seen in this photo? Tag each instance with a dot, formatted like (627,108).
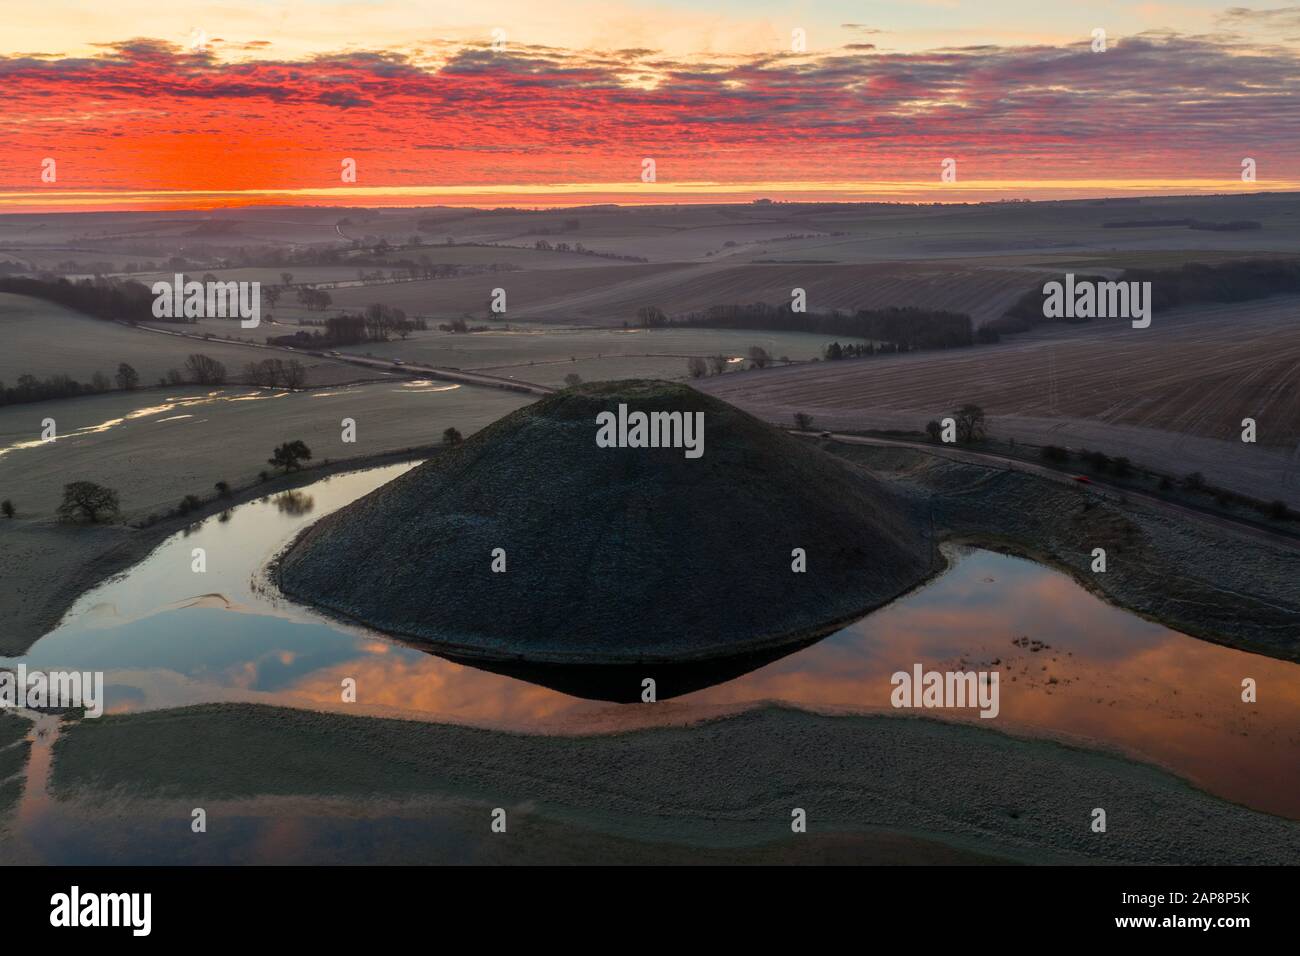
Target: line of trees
(699,366)
(102,298)
(199,370)
(907,328)
(1238,281)
(113,299)
(850,350)
(32,389)
(276,373)
(378,323)
(969,426)
(315,300)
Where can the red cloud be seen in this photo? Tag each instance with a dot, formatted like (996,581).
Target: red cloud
(146,115)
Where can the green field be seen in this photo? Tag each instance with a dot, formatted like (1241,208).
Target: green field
(524,348)
(44,339)
(156,447)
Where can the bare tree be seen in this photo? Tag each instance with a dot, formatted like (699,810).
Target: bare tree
(85,499)
(651,316)
(290,455)
(204,370)
(295,374)
(697,367)
(127,377)
(970,424)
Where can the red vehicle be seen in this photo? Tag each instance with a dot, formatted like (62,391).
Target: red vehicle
(1083,479)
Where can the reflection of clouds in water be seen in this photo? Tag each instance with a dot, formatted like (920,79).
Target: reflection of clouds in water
(428,684)
(1122,680)
(1152,692)
(242,675)
(124,697)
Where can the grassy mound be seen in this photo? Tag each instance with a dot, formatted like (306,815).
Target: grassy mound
(614,555)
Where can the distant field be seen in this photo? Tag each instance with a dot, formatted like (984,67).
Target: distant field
(267,276)
(599,369)
(525,291)
(157,447)
(44,339)
(983,293)
(523,348)
(841,232)
(524,259)
(231,329)
(523,256)
(1197,372)
(612,294)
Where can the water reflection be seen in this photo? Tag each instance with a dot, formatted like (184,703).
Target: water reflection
(1072,666)
(295,503)
(167,405)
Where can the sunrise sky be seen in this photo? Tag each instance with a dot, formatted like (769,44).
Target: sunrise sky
(146,105)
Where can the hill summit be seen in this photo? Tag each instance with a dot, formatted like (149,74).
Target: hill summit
(615,551)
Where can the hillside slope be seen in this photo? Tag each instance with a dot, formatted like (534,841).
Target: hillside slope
(614,555)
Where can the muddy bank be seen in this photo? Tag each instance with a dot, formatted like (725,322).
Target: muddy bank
(729,783)
(336,831)
(14,751)
(1230,587)
(46,565)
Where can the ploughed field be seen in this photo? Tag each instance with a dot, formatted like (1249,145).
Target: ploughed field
(612,294)
(1196,372)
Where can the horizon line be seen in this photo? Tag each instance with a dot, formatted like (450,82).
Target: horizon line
(566,195)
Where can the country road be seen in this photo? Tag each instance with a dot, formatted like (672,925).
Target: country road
(386,365)
(436,371)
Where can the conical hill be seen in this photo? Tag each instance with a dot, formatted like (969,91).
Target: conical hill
(614,555)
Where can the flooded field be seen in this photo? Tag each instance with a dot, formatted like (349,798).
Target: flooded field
(1072,666)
